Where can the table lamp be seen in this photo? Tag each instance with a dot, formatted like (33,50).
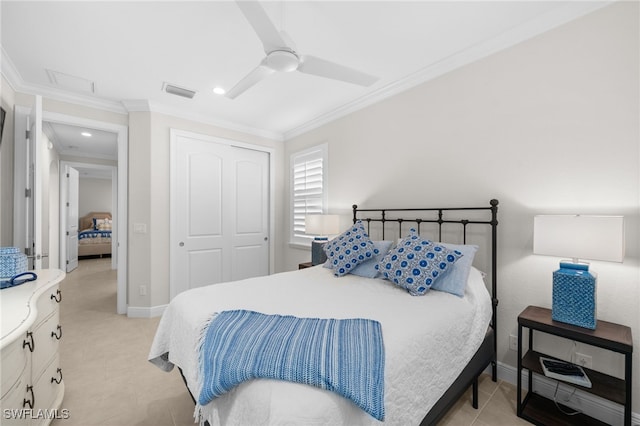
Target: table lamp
(577,237)
(321,226)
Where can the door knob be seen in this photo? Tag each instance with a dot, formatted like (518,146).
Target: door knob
(181,244)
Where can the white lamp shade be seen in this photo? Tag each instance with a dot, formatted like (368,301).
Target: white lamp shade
(322,224)
(579,236)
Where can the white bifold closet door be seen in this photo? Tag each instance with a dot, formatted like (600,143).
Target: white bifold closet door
(219,212)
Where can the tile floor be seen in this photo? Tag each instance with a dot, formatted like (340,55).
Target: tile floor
(108,380)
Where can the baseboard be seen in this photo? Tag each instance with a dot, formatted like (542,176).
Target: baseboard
(145,312)
(596,407)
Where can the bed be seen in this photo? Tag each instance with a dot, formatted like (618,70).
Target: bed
(94,237)
(435,345)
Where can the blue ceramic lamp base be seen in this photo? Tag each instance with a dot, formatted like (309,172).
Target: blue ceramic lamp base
(574,295)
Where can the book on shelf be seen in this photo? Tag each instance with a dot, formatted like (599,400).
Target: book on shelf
(565,371)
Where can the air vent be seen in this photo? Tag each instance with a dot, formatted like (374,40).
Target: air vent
(178,91)
(71,82)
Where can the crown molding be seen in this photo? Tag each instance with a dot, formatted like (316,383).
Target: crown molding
(511,37)
(559,16)
(136,105)
(18,84)
(145,105)
(9,71)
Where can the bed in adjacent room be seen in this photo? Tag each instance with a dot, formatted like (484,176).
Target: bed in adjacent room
(94,237)
(335,345)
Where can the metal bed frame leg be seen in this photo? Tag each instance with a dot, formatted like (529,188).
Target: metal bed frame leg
(474,401)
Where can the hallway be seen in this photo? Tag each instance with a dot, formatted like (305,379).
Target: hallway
(108,380)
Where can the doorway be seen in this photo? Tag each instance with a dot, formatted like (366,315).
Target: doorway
(96,191)
(117,175)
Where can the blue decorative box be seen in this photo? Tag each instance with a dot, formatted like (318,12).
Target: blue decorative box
(12,262)
(574,295)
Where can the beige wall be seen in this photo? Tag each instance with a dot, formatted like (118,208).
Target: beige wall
(547,126)
(7,98)
(149,137)
(148,190)
(94,195)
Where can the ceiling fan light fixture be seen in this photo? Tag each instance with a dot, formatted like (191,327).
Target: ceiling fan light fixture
(282,60)
(219,90)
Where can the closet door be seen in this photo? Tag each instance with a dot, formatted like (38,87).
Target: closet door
(249,208)
(219,212)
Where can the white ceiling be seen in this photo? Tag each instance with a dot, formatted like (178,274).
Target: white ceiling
(74,141)
(118,55)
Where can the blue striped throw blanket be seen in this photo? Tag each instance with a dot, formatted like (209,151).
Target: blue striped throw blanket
(344,356)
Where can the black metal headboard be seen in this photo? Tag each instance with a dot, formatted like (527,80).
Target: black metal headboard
(438,217)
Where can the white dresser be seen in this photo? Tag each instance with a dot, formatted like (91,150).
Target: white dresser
(30,332)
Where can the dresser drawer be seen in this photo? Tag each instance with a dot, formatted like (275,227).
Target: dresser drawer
(48,390)
(14,363)
(46,338)
(47,303)
(12,403)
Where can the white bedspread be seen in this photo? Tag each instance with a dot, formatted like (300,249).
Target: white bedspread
(428,341)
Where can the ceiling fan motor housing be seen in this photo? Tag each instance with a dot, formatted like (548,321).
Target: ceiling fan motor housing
(282,60)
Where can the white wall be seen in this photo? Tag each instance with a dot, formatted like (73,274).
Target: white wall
(547,126)
(94,196)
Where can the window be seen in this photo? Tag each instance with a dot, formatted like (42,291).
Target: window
(308,189)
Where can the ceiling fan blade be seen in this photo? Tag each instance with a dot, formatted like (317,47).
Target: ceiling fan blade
(249,80)
(322,67)
(262,25)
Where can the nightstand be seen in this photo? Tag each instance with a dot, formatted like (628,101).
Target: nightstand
(305,265)
(613,337)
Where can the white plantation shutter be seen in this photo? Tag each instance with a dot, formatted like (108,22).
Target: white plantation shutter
(308,189)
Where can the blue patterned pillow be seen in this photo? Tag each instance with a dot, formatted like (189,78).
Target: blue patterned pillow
(349,249)
(416,263)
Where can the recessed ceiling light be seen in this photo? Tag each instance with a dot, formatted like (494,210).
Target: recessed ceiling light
(219,91)
(86,134)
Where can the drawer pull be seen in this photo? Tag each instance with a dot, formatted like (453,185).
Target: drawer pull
(31,402)
(31,344)
(57,335)
(57,297)
(58,381)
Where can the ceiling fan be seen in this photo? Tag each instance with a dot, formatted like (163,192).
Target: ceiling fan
(282,56)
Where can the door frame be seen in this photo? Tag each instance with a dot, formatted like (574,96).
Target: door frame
(173,239)
(63,202)
(119,179)
(20,177)
(27,148)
